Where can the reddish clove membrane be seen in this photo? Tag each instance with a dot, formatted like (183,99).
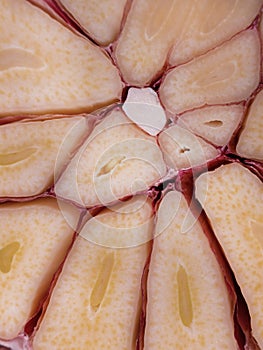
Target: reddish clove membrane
(131,168)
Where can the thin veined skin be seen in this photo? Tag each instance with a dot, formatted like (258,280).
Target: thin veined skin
(253,164)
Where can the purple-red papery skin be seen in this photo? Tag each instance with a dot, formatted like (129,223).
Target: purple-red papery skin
(183,182)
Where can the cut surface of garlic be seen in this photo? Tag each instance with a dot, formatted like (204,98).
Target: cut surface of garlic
(143,107)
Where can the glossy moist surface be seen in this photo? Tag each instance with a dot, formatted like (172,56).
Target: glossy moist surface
(131,169)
